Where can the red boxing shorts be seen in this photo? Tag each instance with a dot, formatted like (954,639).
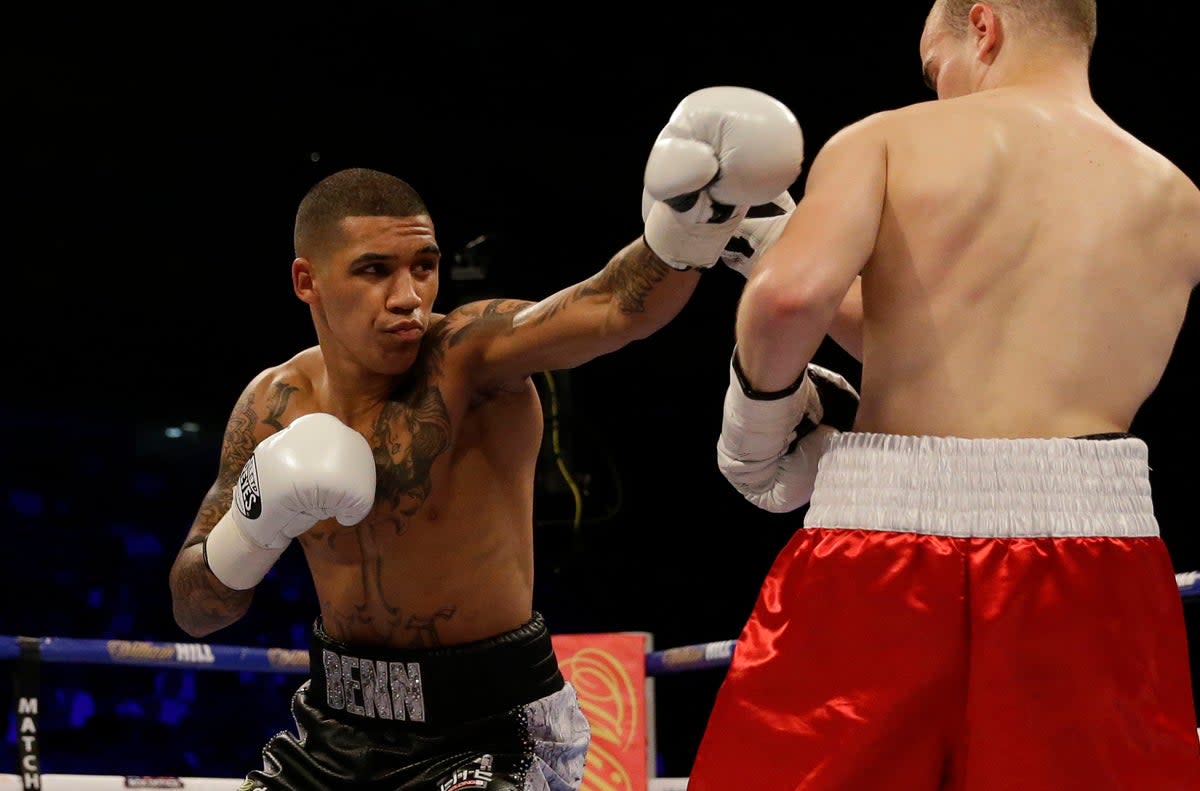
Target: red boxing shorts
(964,615)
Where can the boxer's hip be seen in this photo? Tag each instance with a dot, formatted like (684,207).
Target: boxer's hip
(433,687)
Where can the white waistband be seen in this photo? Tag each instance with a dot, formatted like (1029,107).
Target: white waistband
(1000,488)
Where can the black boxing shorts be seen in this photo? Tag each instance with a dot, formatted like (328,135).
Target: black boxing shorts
(494,714)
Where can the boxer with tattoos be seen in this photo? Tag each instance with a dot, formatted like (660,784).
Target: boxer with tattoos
(400,453)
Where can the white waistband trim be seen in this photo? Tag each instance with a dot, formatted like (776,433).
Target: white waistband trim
(1001,488)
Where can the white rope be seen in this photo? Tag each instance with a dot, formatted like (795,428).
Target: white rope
(111,782)
(54,782)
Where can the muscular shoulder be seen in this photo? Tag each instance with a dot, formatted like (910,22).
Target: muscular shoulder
(1182,190)
(872,128)
(876,132)
(466,327)
(461,338)
(929,121)
(851,147)
(277,393)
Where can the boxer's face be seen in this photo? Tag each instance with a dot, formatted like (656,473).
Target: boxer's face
(374,293)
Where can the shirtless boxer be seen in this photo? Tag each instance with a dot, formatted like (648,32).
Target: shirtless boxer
(399,453)
(980,598)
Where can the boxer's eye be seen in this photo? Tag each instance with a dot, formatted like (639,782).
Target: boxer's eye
(370,264)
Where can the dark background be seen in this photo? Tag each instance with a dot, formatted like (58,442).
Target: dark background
(154,165)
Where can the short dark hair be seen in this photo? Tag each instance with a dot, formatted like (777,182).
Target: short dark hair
(354,192)
(1069,19)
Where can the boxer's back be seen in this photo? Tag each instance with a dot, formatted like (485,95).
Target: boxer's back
(1031,273)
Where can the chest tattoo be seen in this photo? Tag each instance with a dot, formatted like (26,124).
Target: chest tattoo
(408,438)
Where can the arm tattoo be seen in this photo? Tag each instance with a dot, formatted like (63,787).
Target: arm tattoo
(201,605)
(277,404)
(494,317)
(548,308)
(630,277)
(239,441)
(239,444)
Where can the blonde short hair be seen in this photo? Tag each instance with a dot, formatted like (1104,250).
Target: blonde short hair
(1070,20)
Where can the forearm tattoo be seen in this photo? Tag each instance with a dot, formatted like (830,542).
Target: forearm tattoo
(630,277)
(202,604)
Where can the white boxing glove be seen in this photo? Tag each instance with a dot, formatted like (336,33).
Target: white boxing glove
(316,468)
(724,150)
(759,230)
(770,443)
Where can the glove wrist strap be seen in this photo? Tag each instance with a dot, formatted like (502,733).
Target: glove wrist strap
(679,267)
(688,242)
(764,395)
(233,558)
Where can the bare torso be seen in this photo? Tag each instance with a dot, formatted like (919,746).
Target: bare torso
(1031,273)
(446,555)
(448,406)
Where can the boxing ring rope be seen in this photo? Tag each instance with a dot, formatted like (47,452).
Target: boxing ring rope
(209,656)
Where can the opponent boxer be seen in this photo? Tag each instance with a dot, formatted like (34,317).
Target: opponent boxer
(400,452)
(980,598)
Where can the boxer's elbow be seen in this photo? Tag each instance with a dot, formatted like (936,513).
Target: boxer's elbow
(781,302)
(201,622)
(190,626)
(200,604)
(629,329)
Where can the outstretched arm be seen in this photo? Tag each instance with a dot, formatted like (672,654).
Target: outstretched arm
(630,298)
(724,150)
